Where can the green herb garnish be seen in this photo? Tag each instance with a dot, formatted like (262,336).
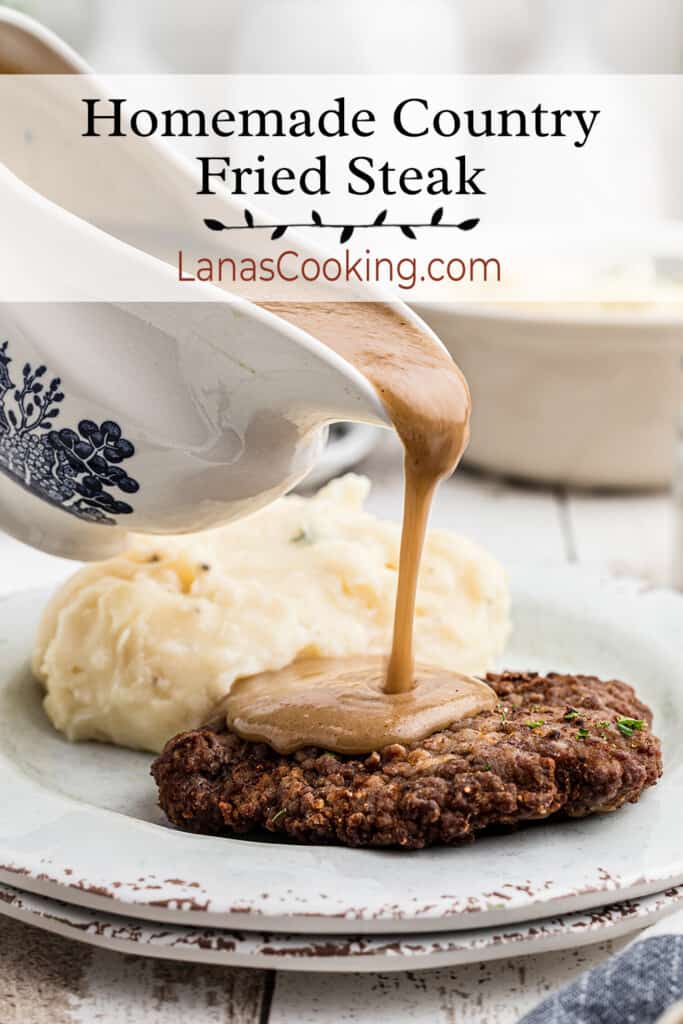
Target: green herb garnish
(487,766)
(277,816)
(627,726)
(535,725)
(581,734)
(571,714)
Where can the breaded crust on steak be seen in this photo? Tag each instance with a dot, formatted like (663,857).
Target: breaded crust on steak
(556,744)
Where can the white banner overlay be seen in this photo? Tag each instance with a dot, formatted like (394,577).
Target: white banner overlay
(437,189)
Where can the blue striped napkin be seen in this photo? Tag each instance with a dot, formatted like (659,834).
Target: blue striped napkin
(643,984)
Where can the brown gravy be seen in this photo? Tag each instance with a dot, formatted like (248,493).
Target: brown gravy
(355,715)
(357,705)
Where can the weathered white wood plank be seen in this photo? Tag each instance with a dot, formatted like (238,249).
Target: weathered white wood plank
(492,993)
(514,522)
(624,535)
(45,979)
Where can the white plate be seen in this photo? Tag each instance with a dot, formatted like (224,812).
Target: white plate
(80,822)
(342,953)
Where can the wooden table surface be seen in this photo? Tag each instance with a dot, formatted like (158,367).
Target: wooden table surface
(47,979)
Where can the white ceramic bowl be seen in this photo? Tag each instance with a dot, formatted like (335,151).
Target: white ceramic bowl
(581,398)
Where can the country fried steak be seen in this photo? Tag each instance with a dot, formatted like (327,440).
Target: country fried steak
(554,745)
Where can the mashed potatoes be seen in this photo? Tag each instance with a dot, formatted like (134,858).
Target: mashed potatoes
(138,648)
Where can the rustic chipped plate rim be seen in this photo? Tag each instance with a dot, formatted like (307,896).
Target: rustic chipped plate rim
(65,843)
(340,953)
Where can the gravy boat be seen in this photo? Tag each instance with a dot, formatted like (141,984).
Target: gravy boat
(153,417)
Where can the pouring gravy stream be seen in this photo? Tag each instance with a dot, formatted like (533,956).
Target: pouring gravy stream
(356,705)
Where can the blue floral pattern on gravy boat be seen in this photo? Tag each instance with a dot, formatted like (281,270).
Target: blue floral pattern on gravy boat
(69,468)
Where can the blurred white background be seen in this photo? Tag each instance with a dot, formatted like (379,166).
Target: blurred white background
(506,36)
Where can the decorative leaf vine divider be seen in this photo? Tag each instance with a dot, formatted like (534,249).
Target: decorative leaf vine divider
(347,230)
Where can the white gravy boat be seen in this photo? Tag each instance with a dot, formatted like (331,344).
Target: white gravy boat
(148,417)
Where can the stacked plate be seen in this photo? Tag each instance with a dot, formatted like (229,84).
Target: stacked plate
(84,850)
